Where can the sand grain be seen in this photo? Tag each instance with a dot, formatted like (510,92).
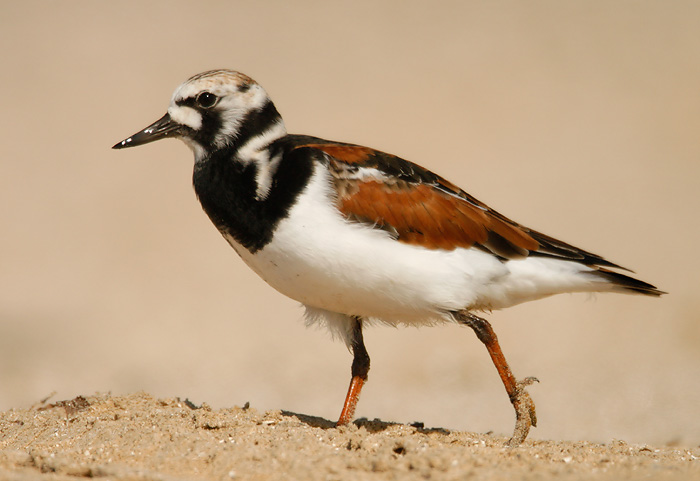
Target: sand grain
(139,437)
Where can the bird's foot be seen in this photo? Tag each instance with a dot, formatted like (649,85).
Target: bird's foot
(525,415)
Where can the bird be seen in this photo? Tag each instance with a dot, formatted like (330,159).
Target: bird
(359,236)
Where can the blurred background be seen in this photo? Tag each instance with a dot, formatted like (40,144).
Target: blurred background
(580,119)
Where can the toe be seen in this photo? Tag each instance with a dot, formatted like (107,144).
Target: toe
(525,414)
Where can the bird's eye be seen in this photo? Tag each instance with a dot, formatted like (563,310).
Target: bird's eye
(206,100)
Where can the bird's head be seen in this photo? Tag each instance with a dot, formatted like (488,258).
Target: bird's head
(213,110)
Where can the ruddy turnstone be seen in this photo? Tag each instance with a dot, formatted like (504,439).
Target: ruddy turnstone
(357,235)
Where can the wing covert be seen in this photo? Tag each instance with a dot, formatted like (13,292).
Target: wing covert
(415,205)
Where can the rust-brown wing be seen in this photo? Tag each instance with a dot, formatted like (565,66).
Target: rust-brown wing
(423,215)
(421,208)
(417,206)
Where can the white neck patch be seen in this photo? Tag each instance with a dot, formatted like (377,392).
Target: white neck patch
(255,150)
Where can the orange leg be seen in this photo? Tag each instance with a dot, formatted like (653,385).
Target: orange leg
(525,415)
(360,368)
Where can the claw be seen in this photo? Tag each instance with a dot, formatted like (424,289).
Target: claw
(525,415)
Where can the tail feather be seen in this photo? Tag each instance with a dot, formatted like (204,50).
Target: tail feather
(556,249)
(627,283)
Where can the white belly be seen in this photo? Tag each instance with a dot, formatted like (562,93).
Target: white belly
(323,261)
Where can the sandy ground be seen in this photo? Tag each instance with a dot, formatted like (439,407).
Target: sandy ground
(138,437)
(579,119)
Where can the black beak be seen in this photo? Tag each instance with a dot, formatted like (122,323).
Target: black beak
(161,128)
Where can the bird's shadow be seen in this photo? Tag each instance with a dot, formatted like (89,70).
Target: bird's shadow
(372,426)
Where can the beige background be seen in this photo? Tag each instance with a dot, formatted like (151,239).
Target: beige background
(580,119)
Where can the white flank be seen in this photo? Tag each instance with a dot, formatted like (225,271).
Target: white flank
(338,268)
